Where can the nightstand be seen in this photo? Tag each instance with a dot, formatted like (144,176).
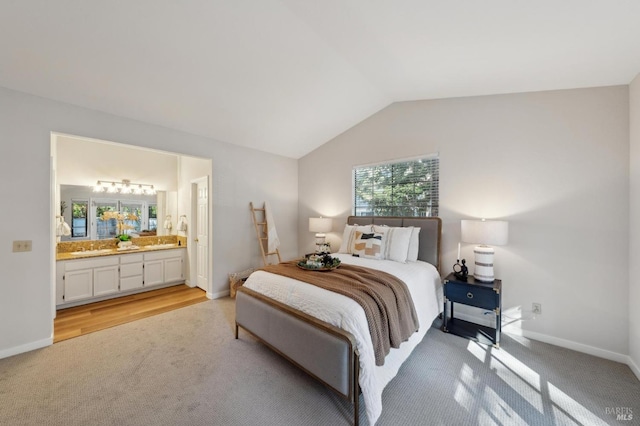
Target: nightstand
(472,293)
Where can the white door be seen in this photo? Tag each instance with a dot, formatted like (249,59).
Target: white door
(202,233)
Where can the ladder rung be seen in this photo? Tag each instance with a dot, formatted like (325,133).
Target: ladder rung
(262,223)
(258,209)
(273,252)
(264,238)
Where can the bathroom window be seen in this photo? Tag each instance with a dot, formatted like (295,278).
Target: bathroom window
(153,217)
(135,212)
(105,228)
(79,218)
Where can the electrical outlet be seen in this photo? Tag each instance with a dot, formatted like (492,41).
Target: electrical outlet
(21,246)
(536,308)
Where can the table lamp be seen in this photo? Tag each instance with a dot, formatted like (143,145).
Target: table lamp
(485,233)
(320,225)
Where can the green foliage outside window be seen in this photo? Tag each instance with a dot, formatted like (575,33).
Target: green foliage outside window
(407,188)
(79,210)
(79,220)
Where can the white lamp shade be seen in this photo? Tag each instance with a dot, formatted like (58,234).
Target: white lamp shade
(486,232)
(320,224)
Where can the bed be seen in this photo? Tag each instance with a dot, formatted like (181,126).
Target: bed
(323,332)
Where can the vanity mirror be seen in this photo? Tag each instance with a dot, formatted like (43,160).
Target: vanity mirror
(82,209)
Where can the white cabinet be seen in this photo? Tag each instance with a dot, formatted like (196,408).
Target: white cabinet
(105,280)
(131,271)
(87,280)
(83,279)
(77,285)
(173,269)
(153,272)
(163,267)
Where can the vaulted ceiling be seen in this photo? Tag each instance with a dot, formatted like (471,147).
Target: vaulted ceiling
(286,76)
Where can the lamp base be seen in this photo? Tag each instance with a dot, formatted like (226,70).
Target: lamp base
(483,268)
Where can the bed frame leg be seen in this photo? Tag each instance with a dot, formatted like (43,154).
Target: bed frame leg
(356,389)
(236,331)
(356,412)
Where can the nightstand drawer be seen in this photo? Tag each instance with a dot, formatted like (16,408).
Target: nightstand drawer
(485,298)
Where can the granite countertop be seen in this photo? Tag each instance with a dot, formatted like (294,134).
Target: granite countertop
(111,252)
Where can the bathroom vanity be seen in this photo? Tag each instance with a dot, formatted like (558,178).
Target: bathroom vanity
(93,275)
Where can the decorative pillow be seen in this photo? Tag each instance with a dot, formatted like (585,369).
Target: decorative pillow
(397,241)
(414,244)
(369,245)
(348,236)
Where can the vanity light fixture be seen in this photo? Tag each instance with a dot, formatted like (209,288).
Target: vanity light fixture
(124,187)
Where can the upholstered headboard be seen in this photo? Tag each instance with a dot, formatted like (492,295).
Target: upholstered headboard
(430,232)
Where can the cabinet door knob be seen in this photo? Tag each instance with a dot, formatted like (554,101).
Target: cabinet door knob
(470,295)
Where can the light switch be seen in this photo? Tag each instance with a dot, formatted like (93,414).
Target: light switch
(21,246)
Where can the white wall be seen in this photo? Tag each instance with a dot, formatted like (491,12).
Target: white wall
(84,162)
(634,225)
(554,164)
(26,123)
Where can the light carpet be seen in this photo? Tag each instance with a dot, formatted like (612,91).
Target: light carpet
(185,368)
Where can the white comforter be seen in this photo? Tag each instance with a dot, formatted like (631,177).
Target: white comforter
(423,282)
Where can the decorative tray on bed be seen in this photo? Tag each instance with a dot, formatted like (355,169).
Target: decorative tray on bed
(321,263)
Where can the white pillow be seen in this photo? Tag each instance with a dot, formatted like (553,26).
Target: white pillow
(348,236)
(368,244)
(396,242)
(414,244)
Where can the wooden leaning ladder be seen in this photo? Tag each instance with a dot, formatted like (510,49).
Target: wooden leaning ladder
(261,231)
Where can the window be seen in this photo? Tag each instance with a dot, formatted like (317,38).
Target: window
(153,217)
(134,217)
(105,228)
(79,218)
(404,188)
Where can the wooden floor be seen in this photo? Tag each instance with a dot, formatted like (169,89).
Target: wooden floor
(85,319)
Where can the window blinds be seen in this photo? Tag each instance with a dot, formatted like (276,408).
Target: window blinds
(405,188)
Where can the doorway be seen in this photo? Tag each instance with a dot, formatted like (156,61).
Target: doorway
(77,160)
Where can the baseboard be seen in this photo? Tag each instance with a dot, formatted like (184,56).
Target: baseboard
(6,353)
(633,366)
(570,344)
(556,341)
(218,294)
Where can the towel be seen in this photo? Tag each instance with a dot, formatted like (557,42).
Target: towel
(63,228)
(273,242)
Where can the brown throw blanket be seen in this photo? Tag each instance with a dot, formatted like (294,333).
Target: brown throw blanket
(385,299)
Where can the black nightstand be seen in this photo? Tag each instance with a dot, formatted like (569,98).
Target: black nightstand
(473,293)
